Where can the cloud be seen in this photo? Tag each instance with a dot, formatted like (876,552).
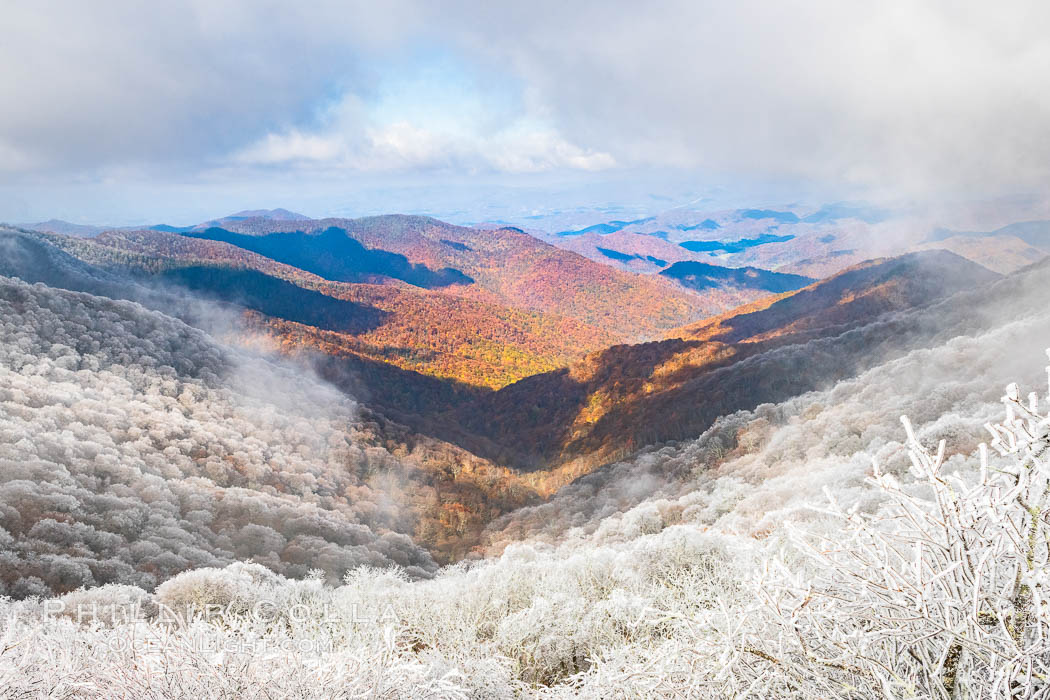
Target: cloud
(404,146)
(118,84)
(884,98)
(202,89)
(434,117)
(902,95)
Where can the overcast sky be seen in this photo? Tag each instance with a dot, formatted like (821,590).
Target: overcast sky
(122,112)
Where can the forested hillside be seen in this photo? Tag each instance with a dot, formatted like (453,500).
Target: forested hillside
(506,266)
(378,342)
(447,336)
(133,447)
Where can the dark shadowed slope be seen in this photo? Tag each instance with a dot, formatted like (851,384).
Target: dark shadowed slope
(855,295)
(254,290)
(703,276)
(31,257)
(625,258)
(734,246)
(336,256)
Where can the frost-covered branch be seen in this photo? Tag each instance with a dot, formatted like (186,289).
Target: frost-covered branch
(942,592)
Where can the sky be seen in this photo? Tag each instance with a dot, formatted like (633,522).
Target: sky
(129,112)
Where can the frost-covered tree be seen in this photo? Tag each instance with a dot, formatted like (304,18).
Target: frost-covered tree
(134,447)
(942,592)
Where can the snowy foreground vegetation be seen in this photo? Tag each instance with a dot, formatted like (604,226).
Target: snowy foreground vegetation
(937,588)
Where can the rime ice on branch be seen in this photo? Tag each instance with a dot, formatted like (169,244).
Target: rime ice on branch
(944,592)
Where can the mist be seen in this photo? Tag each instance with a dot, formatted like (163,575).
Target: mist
(134,447)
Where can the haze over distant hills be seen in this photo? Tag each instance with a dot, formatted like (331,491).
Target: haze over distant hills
(65,228)
(89,230)
(1005,249)
(810,241)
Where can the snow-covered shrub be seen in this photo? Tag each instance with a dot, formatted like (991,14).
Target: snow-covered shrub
(943,592)
(112,604)
(232,590)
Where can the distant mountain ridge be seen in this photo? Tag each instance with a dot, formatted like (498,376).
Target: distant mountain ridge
(1005,249)
(701,276)
(65,228)
(336,256)
(1035,233)
(266,214)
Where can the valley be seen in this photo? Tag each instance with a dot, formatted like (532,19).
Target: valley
(503,368)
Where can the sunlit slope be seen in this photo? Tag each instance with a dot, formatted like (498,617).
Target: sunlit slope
(627,397)
(410,327)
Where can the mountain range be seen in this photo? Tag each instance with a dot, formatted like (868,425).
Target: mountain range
(508,366)
(814,242)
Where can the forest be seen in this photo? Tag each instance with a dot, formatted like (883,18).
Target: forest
(811,548)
